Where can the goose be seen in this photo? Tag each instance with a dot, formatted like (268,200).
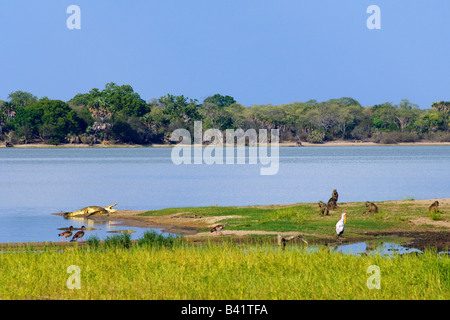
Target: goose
(218,228)
(66,234)
(79,235)
(340,225)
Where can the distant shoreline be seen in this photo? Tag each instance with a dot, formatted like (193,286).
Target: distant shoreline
(340,143)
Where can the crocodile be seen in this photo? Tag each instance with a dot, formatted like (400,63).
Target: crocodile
(91,210)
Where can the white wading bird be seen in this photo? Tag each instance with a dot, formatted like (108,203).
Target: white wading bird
(340,225)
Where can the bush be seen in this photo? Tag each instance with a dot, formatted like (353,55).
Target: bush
(436,215)
(440,137)
(93,241)
(396,137)
(119,241)
(316,136)
(153,238)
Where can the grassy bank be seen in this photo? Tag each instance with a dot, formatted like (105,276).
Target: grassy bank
(305,218)
(218,271)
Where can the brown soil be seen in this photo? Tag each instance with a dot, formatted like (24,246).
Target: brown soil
(419,239)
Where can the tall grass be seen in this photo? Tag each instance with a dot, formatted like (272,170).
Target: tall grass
(219,271)
(123,241)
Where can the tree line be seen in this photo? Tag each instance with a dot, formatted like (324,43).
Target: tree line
(118,114)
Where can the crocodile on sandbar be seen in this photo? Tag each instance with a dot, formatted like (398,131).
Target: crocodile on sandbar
(91,210)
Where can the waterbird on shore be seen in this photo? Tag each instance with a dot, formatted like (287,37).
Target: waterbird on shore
(66,234)
(282,241)
(79,235)
(340,226)
(218,228)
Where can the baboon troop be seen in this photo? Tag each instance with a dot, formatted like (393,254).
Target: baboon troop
(323,208)
(433,208)
(332,203)
(372,207)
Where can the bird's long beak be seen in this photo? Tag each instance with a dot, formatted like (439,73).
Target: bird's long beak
(345,219)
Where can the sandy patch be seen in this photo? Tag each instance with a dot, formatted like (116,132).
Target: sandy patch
(428,221)
(174,223)
(443,202)
(242,233)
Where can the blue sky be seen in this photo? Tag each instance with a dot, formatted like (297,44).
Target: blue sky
(257,51)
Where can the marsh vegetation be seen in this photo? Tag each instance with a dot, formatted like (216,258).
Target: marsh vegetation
(161,267)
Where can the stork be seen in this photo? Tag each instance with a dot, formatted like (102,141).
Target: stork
(340,226)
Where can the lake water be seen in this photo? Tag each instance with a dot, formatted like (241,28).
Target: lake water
(37,182)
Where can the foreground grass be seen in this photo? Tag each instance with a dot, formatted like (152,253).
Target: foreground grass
(218,271)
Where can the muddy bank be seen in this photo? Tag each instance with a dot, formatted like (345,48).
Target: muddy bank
(189,226)
(439,240)
(415,230)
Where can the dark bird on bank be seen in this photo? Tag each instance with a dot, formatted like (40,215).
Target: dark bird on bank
(79,235)
(66,234)
(218,228)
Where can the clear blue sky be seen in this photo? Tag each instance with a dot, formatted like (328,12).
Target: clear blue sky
(257,51)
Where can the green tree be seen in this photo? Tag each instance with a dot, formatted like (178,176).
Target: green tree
(22,99)
(384,117)
(429,122)
(50,120)
(220,100)
(124,99)
(180,108)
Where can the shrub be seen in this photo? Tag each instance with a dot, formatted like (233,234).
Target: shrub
(436,215)
(440,136)
(396,137)
(93,241)
(119,241)
(316,136)
(153,238)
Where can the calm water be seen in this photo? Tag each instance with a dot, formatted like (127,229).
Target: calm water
(38,182)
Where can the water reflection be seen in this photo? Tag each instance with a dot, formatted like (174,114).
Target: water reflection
(102,229)
(383,249)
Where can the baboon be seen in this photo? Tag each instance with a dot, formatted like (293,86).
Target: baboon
(335,195)
(434,207)
(373,208)
(323,208)
(332,204)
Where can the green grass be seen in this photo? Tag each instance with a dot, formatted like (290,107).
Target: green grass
(201,211)
(158,267)
(307,219)
(219,271)
(123,241)
(436,216)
